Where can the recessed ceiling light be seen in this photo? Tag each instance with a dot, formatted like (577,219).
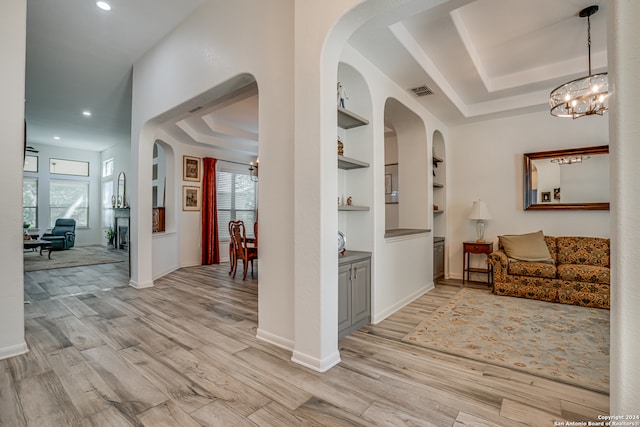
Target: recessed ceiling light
(103,5)
(57,138)
(86,113)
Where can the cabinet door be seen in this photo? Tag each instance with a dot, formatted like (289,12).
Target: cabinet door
(438,261)
(344,297)
(360,292)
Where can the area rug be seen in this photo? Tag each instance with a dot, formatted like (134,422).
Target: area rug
(74,257)
(562,342)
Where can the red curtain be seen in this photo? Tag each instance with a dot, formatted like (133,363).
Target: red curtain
(210,246)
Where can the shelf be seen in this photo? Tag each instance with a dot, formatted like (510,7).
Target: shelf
(399,232)
(352,208)
(439,211)
(350,256)
(438,185)
(348,119)
(437,159)
(347,163)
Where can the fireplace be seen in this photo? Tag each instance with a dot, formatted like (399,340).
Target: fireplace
(121,227)
(123,237)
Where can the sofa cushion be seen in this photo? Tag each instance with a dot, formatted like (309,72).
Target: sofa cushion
(533,269)
(583,250)
(529,287)
(584,273)
(585,294)
(526,247)
(553,248)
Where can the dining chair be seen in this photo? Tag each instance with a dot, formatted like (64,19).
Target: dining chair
(239,248)
(231,251)
(255,234)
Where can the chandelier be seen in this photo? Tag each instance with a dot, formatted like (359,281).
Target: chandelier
(570,160)
(584,96)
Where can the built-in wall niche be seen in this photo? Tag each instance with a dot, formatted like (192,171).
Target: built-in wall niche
(158,187)
(439,176)
(391,182)
(355,176)
(406,171)
(158,178)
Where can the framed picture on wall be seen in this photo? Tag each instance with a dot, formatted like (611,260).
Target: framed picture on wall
(546,196)
(191,168)
(190,198)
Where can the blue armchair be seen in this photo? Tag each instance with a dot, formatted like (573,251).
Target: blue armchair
(63,234)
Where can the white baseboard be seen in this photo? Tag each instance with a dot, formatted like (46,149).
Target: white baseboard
(169,270)
(13,350)
(314,363)
(276,340)
(140,285)
(383,314)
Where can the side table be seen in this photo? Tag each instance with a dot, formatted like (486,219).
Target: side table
(35,244)
(469,248)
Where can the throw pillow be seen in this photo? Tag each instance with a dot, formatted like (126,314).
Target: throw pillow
(526,247)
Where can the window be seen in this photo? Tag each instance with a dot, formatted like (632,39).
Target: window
(69,199)
(107,168)
(237,200)
(108,203)
(30,201)
(30,164)
(68,167)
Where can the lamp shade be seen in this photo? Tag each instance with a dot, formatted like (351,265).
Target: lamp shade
(479,210)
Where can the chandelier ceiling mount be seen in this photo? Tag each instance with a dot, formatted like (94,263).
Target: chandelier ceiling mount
(587,95)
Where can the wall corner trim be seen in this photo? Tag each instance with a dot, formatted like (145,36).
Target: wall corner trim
(314,363)
(140,285)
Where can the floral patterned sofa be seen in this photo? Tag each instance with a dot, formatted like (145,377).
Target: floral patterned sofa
(579,273)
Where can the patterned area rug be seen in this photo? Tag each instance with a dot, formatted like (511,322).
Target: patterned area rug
(74,257)
(558,341)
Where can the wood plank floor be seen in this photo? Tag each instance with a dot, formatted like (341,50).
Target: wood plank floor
(184,353)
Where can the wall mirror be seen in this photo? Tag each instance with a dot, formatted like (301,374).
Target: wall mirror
(573,179)
(122,191)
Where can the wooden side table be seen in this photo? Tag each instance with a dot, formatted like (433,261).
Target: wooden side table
(476,248)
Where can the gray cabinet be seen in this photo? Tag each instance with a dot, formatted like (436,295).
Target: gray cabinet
(354,291)
(438,257)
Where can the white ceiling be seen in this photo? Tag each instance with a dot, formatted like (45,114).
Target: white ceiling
(482,58)
(80,58)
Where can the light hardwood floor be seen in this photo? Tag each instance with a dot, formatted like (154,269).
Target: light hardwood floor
(184,353)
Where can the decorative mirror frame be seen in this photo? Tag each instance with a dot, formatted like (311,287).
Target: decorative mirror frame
(122,185)
(529,203)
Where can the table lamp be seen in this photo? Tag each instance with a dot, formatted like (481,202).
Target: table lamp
(480,212)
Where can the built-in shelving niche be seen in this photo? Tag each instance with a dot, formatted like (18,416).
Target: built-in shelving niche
(439,201)
(355,176)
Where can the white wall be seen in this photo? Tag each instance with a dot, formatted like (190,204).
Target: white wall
(402,267)
(484,161)
(13,21)
(196,61)
(321,31)
(624,66)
